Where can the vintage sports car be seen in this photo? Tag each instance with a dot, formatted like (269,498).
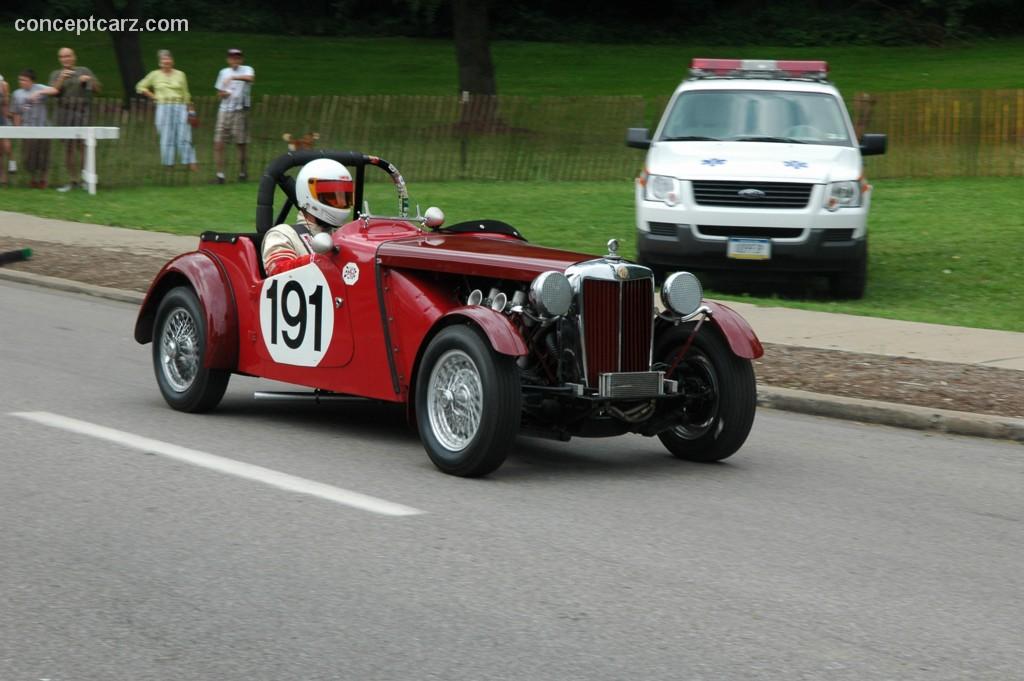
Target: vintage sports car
(482,335)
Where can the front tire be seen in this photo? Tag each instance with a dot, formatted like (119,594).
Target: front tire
(468,403)
(716,420)
(179,353)
(851,284)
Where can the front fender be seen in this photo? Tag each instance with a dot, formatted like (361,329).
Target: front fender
(738,333)
(205,275)
(503,335)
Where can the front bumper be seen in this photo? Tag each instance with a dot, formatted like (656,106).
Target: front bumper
(696,236)
(817,251)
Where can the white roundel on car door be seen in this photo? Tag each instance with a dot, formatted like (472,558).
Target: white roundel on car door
(297,316)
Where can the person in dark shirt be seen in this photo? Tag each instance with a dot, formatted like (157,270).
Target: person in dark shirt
(73,87)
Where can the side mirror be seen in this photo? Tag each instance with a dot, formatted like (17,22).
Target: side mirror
(434,217)
(323,243)
(872,144)
(638,138)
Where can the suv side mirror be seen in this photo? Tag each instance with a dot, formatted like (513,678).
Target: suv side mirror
(638,138)
(872,144)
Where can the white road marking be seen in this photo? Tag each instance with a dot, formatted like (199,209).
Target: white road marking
(221,464)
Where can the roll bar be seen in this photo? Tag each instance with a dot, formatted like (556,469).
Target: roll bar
(274,176)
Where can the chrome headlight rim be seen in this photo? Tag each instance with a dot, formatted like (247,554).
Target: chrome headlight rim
(682,294)
(551,294)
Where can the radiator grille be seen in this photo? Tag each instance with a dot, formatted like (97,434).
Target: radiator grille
(775,194)
(617,326)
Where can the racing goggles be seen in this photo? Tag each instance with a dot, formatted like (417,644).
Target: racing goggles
(333,193)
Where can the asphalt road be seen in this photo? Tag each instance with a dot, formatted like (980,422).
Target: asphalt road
(822,550)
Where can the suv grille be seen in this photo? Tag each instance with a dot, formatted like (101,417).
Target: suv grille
(773,194)
(617,326)
(751,232)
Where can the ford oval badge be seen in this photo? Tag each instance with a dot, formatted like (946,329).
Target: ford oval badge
(751,193)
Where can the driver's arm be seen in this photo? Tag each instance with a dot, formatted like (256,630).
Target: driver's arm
(279,252)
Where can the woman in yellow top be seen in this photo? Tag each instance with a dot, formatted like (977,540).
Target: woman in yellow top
(168,87)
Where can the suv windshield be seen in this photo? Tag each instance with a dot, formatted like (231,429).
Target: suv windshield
(757,116)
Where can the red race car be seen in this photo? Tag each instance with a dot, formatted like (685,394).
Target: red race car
(482,335)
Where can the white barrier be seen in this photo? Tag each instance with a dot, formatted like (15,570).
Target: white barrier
(89,134)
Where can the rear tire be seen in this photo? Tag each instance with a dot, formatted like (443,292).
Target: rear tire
(716,422)
(468,403)
(179,353)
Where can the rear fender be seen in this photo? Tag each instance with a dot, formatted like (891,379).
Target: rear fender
(206,276)
(737,332)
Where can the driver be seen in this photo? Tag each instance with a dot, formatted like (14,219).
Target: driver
(323,195)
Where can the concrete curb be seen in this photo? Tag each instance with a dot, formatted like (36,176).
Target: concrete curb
(786,399)
(891,414)
(72,286)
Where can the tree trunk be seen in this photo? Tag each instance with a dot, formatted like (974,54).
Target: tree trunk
(473,47)
(127,48)
(477,86)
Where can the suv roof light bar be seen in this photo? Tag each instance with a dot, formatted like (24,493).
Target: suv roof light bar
(758,68)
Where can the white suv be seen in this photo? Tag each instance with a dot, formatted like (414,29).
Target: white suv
(755,166)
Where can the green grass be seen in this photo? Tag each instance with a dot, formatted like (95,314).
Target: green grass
(365,66)
(942,251)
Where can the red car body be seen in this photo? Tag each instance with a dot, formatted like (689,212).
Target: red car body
(385,292)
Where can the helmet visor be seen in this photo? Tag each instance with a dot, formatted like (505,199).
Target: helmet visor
(333,193)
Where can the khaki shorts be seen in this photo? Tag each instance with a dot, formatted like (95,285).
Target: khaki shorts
(232,126)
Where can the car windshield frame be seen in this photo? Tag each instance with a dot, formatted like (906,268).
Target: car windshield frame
(815,118)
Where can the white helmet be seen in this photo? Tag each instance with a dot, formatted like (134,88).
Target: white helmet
(324,189)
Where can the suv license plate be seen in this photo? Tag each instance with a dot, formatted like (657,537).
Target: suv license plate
(749,249)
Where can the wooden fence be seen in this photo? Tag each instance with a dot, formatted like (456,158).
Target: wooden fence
(945,133)
(932,133)
(428,138)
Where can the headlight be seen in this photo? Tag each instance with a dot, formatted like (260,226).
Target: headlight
(842,195)
(662,188)
(551,294)
(682,293)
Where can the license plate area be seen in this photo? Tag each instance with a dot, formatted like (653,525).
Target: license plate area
(749,249)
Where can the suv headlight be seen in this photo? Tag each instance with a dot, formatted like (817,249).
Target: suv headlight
(662,188)
(842,195)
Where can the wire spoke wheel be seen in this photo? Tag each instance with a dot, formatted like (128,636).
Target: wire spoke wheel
(179,350)
(455,401)
(468,402)
(179,354)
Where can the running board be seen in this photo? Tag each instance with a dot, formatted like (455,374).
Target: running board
(307,397)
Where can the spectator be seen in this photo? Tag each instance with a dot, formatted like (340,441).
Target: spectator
(5,145)
(233,86)
(73,86)
(29,108)
(168,87)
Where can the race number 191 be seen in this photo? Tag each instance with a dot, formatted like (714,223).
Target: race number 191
(296,316)
(298,320)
